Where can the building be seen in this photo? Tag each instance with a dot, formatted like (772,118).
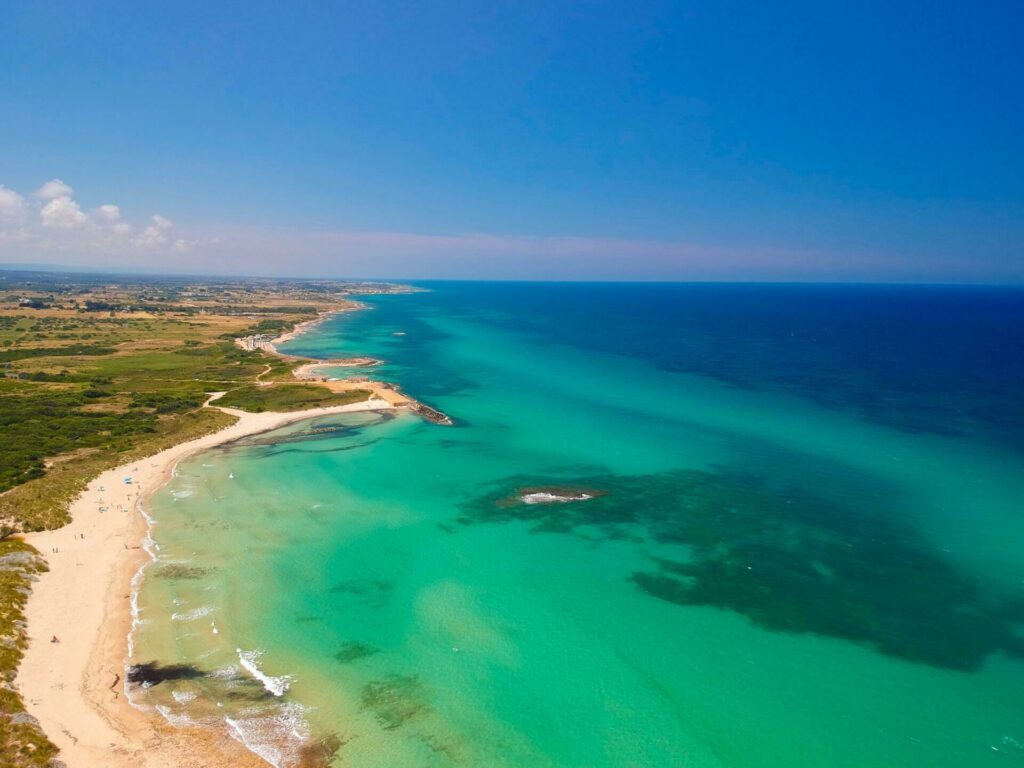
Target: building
(259,341)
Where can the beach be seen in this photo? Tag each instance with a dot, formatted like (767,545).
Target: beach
(80,614)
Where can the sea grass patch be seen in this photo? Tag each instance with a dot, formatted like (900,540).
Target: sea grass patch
(354,651)
(788,559)
(374,593)
(395,700)
(181,572)
(320,752)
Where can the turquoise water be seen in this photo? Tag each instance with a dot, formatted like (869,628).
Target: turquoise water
(816,562)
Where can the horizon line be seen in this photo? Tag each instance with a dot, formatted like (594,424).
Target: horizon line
(57,269)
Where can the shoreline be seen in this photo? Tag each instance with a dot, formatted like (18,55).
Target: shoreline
(308,371)
(75,687)
(308,325)
(380,389)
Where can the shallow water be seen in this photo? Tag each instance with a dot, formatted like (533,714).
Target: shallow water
(802,545)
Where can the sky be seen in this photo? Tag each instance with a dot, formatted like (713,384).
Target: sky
(869,141)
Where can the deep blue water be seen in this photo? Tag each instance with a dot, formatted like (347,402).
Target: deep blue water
(942,359)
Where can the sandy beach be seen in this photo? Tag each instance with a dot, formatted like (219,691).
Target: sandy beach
(75,686)
(311,371)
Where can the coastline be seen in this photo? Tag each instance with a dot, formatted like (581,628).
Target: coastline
(308,325)
(75,687)
(382,390)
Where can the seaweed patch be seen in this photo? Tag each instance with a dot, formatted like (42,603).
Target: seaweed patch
(354,651)
(374,593)
(395,700)
(788,559)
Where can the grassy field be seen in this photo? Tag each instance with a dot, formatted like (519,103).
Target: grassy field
(97,371)
(289,397)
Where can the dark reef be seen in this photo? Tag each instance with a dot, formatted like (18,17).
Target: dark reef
(787,559)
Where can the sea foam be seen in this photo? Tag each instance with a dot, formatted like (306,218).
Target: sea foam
(250,662)
(543,497)
(195,613)
(276,738)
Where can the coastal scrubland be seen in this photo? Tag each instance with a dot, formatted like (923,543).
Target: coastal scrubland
(101,370)
(289,398)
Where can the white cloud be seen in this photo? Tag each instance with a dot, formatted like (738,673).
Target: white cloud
(62,213)
(51,221)
(12,205)
(108,213)
(150,237)
(53,189)
(156,233)
(18,236)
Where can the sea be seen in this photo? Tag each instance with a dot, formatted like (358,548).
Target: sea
(695,525)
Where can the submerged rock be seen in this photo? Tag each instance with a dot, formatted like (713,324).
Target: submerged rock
(556,494)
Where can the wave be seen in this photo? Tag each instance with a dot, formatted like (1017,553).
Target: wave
(151,548)
(276,738)
(544,497)
(177,719)
(276,733)
(250,662)
(195,613)
(184,697)
(226,672)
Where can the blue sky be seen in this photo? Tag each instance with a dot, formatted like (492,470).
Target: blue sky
(724,140)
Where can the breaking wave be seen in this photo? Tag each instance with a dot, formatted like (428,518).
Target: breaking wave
(250,662)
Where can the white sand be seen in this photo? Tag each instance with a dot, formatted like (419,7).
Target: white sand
(75,687)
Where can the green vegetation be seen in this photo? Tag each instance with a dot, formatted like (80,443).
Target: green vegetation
(272,326)
(114,405)
(9,355)
(164,403)
(22,742)
(42,503)
(289,397)
(40,424)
